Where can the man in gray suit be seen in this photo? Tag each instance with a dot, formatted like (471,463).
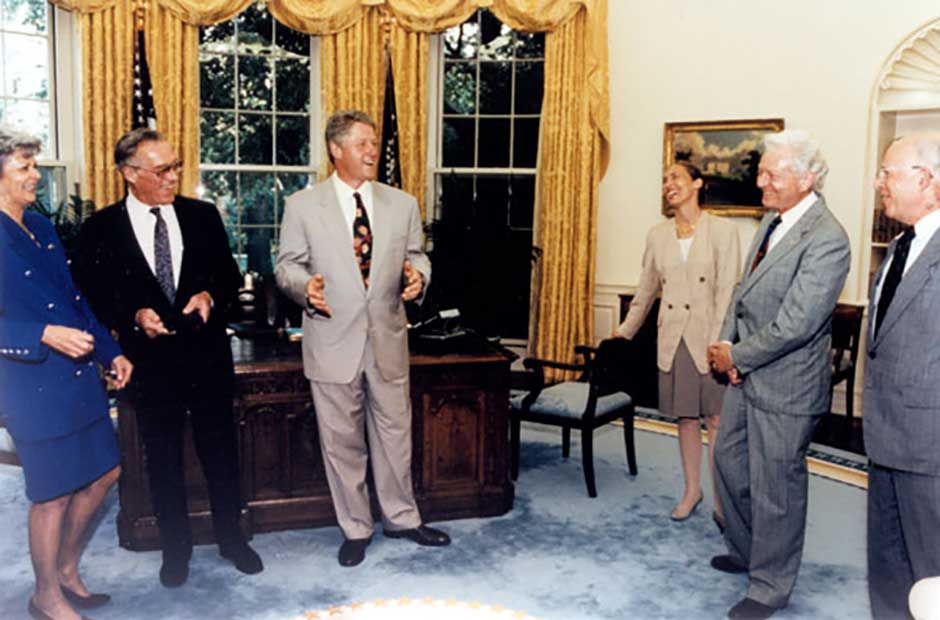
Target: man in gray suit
(351,253)
(775,349)
(902,391)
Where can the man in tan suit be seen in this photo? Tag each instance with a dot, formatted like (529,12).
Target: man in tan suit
(351,253)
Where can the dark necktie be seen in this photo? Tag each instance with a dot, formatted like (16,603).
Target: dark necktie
(362,239)
(762,250)
(163,260)
(895,273)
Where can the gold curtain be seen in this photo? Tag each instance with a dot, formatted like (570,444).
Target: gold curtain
(107,31)
(173,59)
(571,161)
(409,52)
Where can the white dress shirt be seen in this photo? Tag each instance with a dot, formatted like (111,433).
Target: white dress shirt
(142,221)
(347,203)
(924,230)
(790,217)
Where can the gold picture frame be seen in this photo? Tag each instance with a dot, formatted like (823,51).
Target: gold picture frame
(727,153)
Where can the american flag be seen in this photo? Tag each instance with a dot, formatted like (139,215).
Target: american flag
(389,165)
(143,113)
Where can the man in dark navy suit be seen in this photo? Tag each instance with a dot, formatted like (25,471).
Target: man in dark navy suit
(157,269)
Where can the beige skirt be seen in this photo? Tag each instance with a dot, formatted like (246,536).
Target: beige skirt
(686,393)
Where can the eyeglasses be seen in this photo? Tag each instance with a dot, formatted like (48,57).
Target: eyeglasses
(884,172)
(175,167)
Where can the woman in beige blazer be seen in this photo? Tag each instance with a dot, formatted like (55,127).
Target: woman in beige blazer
(693,259)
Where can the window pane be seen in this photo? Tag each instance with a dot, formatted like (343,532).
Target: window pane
(31,117)
(254,138)
(522,203)
(525,142)
(459,88)
(51,196)
(495,87)
(458,142)
(25,15)
(26,59)
(462,41)
(493,201)
(292,42)
(293,84)
(255,83)
(494,143)
(217,37)
(216,81)
(289,183)
(260,249)
(495,38)
(530,45)
(255,27)
(530,82)
(217,137)
(293,140)
(218,187)
(257,219)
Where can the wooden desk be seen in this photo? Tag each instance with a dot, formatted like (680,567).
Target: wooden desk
(459,435)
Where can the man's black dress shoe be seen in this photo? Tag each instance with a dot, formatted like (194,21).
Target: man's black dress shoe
(727,564)
(353,551)
(37,614)
(92,601)
(243,557)
(423,535)
(750,609)
(174,572)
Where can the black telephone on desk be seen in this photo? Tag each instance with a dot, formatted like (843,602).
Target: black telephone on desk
(439,333)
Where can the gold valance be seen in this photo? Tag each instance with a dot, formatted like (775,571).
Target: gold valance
(84,7)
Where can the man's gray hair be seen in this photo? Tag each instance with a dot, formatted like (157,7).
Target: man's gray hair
(341,122)
(12,142)
(127,144)
(927,148)
(806,154)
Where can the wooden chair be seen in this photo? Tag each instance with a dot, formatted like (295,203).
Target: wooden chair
(846,333)
(591,401)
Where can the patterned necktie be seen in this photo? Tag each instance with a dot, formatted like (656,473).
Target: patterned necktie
(362,239)
(762,250)
(895,273)
(162,258)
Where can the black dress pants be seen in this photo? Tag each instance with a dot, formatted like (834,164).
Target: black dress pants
(213,430)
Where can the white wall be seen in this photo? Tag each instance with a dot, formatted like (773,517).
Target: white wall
(812,62)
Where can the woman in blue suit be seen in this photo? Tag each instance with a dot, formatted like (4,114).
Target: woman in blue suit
(51,394)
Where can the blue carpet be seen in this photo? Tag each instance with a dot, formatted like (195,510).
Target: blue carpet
(558,555)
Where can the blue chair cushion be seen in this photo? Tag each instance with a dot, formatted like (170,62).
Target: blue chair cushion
(569,399)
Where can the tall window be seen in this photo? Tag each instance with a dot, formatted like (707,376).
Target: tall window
(255,118)
(26,92)
(491,85)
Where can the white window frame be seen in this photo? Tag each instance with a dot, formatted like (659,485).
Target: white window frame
(435,169)
(316,151)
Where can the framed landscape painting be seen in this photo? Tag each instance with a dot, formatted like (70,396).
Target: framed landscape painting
(727,153)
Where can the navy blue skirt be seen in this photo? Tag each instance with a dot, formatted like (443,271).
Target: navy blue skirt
(58,466)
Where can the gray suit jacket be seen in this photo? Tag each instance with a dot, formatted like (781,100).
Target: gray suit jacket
(316,239)
(902,372)
(780,318)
